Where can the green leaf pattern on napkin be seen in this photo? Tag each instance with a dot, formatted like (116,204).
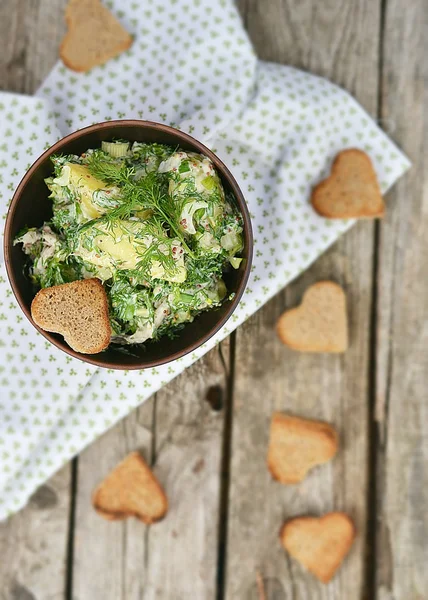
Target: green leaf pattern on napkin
(275,127)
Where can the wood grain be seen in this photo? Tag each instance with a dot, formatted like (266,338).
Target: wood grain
(190,415)
(31,31)
(339,42)
(402,284)
(181,435)
(33,544)
(109,557)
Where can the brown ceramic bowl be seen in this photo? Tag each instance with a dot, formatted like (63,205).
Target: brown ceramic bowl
(30,207)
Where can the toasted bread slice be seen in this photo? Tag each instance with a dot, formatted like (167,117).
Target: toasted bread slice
(320,323)
(131,490)
(94,35)
(296,445)
(319,544)
(78,311)
(351,191)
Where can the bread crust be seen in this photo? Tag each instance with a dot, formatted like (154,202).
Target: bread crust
(78,295)
(319,543)
(101,20)
(297,445)
(68,61)
(351,191)
(319,323)
(117,489)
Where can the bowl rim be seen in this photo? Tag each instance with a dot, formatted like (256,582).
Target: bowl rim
(181,136)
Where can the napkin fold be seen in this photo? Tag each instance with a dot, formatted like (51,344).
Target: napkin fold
(277,128)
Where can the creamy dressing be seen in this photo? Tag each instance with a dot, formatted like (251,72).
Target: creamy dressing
(160,254)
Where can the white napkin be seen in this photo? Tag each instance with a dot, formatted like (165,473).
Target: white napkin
(277,129)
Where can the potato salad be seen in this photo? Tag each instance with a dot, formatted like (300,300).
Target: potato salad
(152,222)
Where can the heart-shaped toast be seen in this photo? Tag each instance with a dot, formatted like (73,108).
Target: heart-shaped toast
(319,544)
(297,445)
(320,323)
(131,490)
(78,311)
(94,35)
(351,191)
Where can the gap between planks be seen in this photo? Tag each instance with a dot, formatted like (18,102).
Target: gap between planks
(373,431)
(225,473)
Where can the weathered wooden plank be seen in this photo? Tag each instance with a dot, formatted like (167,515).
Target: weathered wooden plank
(45,29)
(402,301)
(33,544)
(109,557)
(190,416)
(340,42)
(31,31)
(181,434)
(12,58)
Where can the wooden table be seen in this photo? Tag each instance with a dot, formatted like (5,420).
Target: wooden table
(206,433)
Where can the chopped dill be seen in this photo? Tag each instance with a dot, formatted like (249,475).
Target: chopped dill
(150,192)
(152,222)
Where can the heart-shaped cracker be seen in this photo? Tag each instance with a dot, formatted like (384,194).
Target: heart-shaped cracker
(78,311)
(351,190)
(131,490)
(94,35)
(319,544)
(320,323)
(297,445)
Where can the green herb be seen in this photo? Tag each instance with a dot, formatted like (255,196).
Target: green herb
(184,167)
(59,160)
(182,234)
(151,192)
(159,249)
(57,272)
(130,304)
